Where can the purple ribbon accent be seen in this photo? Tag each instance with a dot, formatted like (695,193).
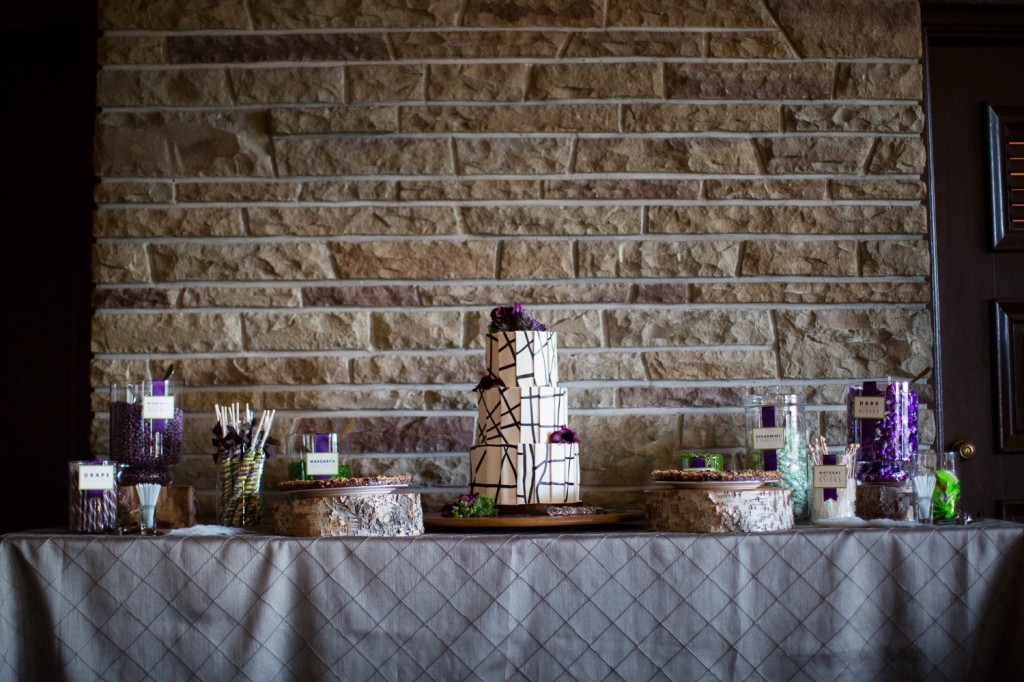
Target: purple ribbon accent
(868,427)
(770,457)
(697,462)
(159,388)
(322,443)
(830,493)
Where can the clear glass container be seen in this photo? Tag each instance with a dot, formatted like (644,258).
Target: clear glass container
(882,419)
(146,430)
(315,456)
(240,479)
(92,496)
(777,439)
(946,502)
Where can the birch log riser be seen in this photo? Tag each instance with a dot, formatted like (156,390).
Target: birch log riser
(389,515)
(719,511)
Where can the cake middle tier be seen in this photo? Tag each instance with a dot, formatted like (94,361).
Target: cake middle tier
(510,416)
(526,474)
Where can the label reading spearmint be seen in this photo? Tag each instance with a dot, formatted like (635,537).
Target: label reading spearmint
(158,407)
(96,477)
(829,475)
(771,438)
(872,407)
(321,463)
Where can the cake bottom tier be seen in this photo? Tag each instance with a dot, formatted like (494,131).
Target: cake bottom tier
(525,473)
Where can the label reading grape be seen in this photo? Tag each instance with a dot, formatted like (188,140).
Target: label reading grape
(158,407)
(96,477)
(829,475)
(869,407)
(321,463)
(771,438)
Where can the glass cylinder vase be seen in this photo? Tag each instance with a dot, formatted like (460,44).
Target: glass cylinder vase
(777,440)
(946,503)
(146,429)
(240,478)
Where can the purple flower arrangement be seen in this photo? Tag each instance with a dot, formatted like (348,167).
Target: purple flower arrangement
(888,445)
(489,381)
(512,318)
(470,506)
(563,435)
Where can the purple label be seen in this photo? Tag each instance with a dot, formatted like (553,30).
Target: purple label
(771,457)
(830,493)
(322,443)
(697,462)
(869,426)
(159,388)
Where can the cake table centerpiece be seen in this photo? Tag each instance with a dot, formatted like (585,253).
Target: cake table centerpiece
(524,456)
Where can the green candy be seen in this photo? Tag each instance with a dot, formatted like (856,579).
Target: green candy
(946,497)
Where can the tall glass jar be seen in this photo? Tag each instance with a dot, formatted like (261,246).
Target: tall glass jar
(777,439)
(146,429)
(882,418)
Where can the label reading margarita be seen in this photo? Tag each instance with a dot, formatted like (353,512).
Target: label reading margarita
(321,463)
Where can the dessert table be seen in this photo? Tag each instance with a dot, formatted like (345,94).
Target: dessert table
(905,603)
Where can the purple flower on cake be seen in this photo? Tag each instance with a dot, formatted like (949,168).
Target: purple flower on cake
(489,381)
(563,435)
(513,319)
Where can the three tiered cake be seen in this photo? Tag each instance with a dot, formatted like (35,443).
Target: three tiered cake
(523,452)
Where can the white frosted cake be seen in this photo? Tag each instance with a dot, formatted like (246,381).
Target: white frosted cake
(521,410)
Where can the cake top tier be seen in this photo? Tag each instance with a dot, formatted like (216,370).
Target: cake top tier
(523,358)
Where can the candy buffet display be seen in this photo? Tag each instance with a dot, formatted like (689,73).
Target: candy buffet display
(777,439)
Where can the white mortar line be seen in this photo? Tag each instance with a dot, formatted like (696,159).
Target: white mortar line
(263,106)
(660,237)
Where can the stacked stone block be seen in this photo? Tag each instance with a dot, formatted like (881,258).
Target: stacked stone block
(310,205)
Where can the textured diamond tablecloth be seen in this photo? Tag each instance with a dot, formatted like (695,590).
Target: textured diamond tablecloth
(905,603)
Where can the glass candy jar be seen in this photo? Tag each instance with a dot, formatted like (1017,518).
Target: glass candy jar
(882,418)
(146,428)
(777,440)
(92,496)
(315,456)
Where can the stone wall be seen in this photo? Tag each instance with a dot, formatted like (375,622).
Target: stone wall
(312,205)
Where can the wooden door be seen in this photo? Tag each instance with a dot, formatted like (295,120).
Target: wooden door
(975,109)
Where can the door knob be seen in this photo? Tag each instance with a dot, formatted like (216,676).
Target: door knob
(965,448)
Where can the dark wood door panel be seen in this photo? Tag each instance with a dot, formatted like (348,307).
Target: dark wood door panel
(1009,351)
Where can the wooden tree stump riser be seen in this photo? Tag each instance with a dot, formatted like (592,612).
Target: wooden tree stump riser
(719,511)
(388,515)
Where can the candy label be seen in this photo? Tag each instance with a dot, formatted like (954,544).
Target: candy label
(871,407)
(158,407)
(96,477)
(829,475)
(321,463)
(772,438)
